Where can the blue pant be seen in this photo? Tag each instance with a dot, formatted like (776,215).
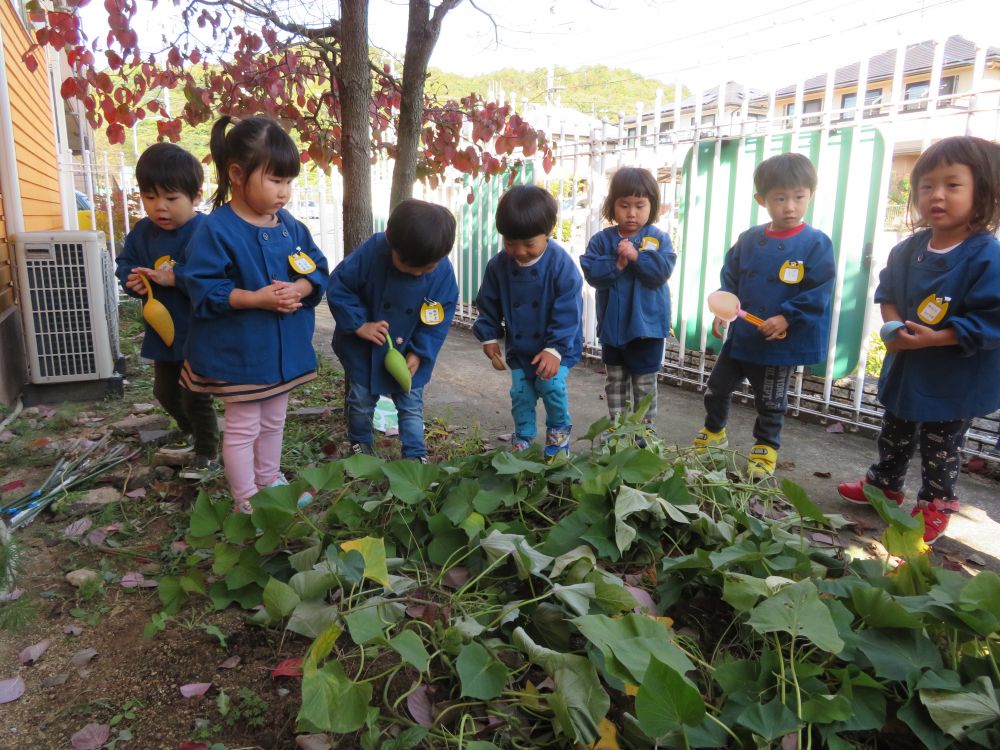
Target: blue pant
(410,407)
(524,394)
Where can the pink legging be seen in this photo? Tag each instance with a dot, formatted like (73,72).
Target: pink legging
(251,444)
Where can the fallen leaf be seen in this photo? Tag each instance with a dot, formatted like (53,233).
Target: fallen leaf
(822,474)
(32,653)
(5,437)
(91,737)
(78,527)
(790,742)
(134,579)
(55,680)
(949,565)
(418,703)
(11,690)
(41,442)
(455,577)
(82,658)
(11,596)
(230,663)
(178,546)
(976,465)
(976,559)
(72,630)
(195,689)
(96,538)
(643,600)
(835,427)
(17,483)
(313,742)
(45,411)
(138,492)
(288,668)
(823,538)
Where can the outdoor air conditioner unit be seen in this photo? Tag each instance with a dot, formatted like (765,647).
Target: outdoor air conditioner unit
(69,306)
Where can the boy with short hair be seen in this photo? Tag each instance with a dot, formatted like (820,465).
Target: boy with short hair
(531,296)
(783,272)
(399,284)
(155,251)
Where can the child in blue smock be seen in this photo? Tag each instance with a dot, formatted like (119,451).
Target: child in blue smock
(629,265)
(155,252)
(943,284)
(398,285)
(531,297)
(783,272)
(254,276)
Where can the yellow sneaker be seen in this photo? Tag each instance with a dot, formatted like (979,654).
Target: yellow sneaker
(761,462)
(705,439)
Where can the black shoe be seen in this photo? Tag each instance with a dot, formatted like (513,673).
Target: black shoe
(200,469)
(362,449)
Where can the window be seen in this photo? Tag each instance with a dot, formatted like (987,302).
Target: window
(920,90)
(814,106)
(848,102)
(708,120)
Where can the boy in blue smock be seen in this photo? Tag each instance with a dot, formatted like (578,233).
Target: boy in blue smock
(155,253)
(783,272)
(399,285)
(531,297)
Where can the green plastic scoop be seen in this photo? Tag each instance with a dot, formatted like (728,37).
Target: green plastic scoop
(395,364)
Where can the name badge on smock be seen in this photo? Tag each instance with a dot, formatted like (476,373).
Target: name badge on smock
(933,309)
(649,243)
(431,313)
(792,272)
(301,263)
(163,260)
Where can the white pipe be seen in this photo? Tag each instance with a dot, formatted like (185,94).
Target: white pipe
(10,186)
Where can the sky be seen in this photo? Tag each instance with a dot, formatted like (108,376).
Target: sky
(698,43)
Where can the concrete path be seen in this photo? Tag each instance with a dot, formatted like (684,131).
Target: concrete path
(466,391)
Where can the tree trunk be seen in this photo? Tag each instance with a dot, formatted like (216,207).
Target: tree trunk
(355,83)
(422,34)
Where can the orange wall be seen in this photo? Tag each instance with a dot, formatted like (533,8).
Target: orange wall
(34,133)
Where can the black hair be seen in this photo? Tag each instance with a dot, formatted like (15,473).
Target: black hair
(787,171)
(253,143)
(526,211)
(979,155)
(421,233)
(630,182)
(168,168)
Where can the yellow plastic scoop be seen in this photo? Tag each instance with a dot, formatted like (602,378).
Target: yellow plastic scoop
(395,364)
(157,315)
(726,305)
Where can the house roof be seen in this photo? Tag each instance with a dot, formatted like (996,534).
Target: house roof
(919,58)
(733,99)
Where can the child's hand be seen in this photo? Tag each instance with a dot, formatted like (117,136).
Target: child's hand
(164,275)
(412,362)
(717,327)
(627,252)
(279,296)
(374,331)
(772,328)
(135,282)
(548,365)
(917,336)
(493,354)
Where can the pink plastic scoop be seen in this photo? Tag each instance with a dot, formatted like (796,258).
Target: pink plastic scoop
(726,305)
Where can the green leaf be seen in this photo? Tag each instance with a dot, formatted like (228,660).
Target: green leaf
(305,559)
(958,713)
(206,516)
(247,570)
(894,655)
(801,502)
(666,701)
(879,609)
(613,598)
(364,624)
(409,480)
(312,618)
(364,466)
(527,559)
(743,591)
(312,584)
(770,721)
(505,462)
(482,676)
(224,558)
(579,700)
(983,593)
(443,546)
(473,525)
(373,552)
(274,509)
(596,429)
(797,610)
(331,702)
(328,476)
(279,599)
(582,552)
(576,597)
(458,504)
(238,528)
(172,596)
(826,709)
(637,466)
(412,650)
(628,643)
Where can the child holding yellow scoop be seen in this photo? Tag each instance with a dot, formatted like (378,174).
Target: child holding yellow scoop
(170,186)
(393,299)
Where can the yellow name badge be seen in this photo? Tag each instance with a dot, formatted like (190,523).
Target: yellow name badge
(301,263)
(649,243)
(163,260)
(792,272)
(431,313)
(933,309)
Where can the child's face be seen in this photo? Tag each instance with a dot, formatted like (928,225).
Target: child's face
(169,209)
(262,192)
(525,251)
(786,206)
(631,214)
(945,199)
(412,270)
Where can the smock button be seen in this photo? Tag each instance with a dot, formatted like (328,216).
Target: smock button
(263,235)
(781,246)
(284,232)
(762,241)
(534,272)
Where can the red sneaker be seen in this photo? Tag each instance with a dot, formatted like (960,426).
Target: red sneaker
(936,515)
(854,492)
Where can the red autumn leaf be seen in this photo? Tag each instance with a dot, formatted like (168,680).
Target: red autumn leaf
(11,690)
(418,703)
(91,737)
(288,668)
(31,654)
(195,689)
(30,62)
